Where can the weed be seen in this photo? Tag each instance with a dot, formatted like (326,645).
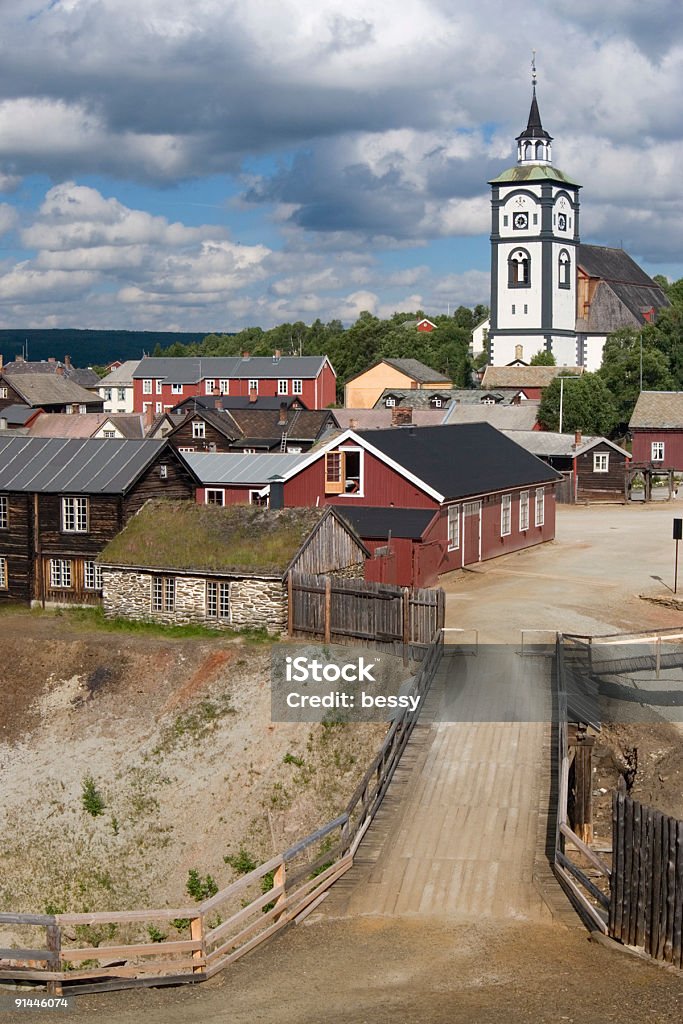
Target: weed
(155,934)
(181,924)
(195,724)
(200,888)
(279,798)
(114,825)
(291,759)
(241,862)
(91,798)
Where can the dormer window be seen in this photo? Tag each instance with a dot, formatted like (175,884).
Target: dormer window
(435,402)
(198,429)
(390,403)
(344,472)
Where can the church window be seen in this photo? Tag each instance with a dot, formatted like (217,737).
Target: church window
(519,269)
(528,151)
(535,218)
(564,269)
(513,310)
(539,150)
(505,220)
(526,308)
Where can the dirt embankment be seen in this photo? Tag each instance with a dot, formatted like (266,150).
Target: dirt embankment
(127,760)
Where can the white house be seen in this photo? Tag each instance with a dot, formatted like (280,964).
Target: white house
(116,389)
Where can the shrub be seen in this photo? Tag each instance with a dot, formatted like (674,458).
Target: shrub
(91,798)
(200,888)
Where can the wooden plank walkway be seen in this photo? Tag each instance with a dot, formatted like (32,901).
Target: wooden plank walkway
(461,829)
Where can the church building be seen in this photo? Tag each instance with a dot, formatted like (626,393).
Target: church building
(548,291)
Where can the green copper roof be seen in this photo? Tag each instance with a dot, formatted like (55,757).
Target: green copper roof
(533,172)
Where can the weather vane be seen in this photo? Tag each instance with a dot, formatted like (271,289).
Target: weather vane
(533,68)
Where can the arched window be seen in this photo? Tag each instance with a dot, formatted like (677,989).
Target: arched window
(528,151)
(564,269)
(540,155)
(519,269)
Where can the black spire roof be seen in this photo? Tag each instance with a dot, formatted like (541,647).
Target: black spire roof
(534,129)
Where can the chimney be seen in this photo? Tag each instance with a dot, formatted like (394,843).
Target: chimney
(19,359)
(276,355)
(402,416)
(218,404)
(353,424)
(253,394)
(148,415)
(577,438)
(51,359)
(75,408)
(1,363)
(67,362)
(277,492)
(60,371)
(245,355)
(3,423)
(282,421)
(216,390)
(519,350)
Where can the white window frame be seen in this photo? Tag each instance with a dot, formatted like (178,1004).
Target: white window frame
(505,515)
(187,449)
(122,394)
(453,527)
(4,511)
(337,484)
(3,392)
(92,576)
(198,430)
(256,498)
(176,389)
(4,584)
(539,506)
(106,394)
(297,386)
(224,386)
(159,386)
(214,491)
(147,386)
(253,386)
(158,408)
(389,403)
(523,511)
(657,451)
(283,387)
(601,462)
(75,515)
(209,386)
(61,574)
(109,433)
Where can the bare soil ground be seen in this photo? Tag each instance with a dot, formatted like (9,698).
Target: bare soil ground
(177,739)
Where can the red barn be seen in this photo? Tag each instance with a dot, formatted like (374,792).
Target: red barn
(657,430)
(485,495)
(161,383)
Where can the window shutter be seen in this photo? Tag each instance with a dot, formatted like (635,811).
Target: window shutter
(334,473)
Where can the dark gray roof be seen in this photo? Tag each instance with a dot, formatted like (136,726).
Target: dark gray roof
(17,414)
(420,398)
(86,378)
(417,370)
(238,402)
(57,465)
(461,460)
(50,389)
(656,410)
(534,128)
(372,523)
(192,369)
(624,294)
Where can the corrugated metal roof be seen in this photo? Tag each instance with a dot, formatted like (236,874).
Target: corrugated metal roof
(549,443)
(192,369)
(57,465)
(234,468)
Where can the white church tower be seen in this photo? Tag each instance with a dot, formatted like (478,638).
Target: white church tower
(534,248)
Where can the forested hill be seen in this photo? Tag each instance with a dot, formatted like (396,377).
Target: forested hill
(90,348)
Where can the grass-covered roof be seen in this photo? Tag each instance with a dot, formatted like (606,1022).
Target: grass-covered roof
(237,539)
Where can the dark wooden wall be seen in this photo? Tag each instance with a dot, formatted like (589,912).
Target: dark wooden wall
(179,484)
(595,486)
(15,545)
(182,437)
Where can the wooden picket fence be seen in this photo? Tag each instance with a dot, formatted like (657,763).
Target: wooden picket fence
(400,620)
(223,928)
(646,906)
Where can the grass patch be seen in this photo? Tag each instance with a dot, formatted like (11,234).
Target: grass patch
(194,725)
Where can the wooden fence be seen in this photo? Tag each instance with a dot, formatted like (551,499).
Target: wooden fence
(401,620)
(646,906)
(223,928)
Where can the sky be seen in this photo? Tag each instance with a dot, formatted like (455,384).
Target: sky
(212,165)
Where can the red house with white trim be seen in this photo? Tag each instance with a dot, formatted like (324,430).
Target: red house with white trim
(657,430)
(161,383)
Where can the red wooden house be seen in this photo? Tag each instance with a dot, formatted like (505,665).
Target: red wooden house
(656,427)
(482,495)
(161,383)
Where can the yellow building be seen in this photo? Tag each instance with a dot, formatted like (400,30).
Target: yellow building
(363,390)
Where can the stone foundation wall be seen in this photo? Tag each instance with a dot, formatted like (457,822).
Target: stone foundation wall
(350,572)
(253,602)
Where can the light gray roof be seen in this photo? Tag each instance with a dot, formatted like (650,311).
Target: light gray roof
(123,374)
(57,465)
(548,443)
(49,389)
(658,410)
(233,468)
(421,397)
(525,376)
(503,417)
(192,369)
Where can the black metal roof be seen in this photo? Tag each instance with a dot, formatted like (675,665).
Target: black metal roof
(461,460)
(53,465)
(373,523)
(534,128)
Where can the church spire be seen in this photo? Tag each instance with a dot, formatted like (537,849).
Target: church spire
(533,144)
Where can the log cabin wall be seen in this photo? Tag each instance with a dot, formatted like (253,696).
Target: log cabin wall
(15,547)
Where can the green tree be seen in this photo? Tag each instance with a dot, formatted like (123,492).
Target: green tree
(621,369)
(543,358)
(587,405)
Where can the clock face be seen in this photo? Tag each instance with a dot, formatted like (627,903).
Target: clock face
(521,221)
(562,221)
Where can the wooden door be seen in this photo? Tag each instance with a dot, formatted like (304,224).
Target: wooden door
(471,532)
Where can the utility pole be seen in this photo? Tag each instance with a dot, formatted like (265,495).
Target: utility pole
(641,360)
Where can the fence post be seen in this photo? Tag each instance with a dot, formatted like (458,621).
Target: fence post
(280,878)
(328,609)
(583,788)
(290,604)
(197,935)
(53,944)
(406,623)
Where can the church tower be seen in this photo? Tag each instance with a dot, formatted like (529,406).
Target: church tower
(534,248)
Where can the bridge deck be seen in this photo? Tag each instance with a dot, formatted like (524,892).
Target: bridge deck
(462,826)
